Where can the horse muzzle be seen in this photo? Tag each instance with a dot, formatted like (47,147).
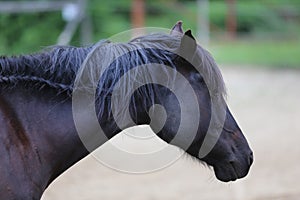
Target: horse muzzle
(233,169)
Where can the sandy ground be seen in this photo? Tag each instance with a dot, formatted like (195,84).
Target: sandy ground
(266,105)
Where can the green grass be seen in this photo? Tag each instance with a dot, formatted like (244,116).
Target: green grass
(275,54)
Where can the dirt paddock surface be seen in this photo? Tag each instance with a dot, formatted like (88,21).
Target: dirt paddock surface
(266,105)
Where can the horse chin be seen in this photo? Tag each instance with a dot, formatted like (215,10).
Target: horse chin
(230,172)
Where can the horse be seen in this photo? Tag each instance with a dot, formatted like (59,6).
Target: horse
(39,139)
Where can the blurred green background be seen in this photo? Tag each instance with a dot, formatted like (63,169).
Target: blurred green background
(268,31)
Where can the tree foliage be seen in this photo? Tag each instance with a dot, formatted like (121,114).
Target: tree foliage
(24,33)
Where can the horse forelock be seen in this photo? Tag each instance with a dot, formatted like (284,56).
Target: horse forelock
(207,66)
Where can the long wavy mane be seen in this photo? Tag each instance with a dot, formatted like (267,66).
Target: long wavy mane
(58,66)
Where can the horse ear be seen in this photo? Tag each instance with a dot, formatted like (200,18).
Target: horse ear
(188,46)
(177,29)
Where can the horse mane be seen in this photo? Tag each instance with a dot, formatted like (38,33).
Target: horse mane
(55,66)
(58,66)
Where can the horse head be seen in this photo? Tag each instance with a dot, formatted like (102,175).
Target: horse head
(215,129)
(174,72)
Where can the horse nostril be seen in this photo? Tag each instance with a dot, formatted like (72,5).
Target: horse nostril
(233,161)
(250,159)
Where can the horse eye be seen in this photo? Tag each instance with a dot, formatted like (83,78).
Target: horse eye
(229,131)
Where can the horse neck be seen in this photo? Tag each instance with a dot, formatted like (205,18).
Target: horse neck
(39,134)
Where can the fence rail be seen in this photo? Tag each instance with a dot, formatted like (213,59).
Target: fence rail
(66,35)
(32,6)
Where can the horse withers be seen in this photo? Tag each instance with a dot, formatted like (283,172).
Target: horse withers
(39,139)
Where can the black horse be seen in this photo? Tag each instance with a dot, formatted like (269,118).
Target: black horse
(38,136)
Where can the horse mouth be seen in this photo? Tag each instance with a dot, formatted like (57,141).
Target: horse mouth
(230,172)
